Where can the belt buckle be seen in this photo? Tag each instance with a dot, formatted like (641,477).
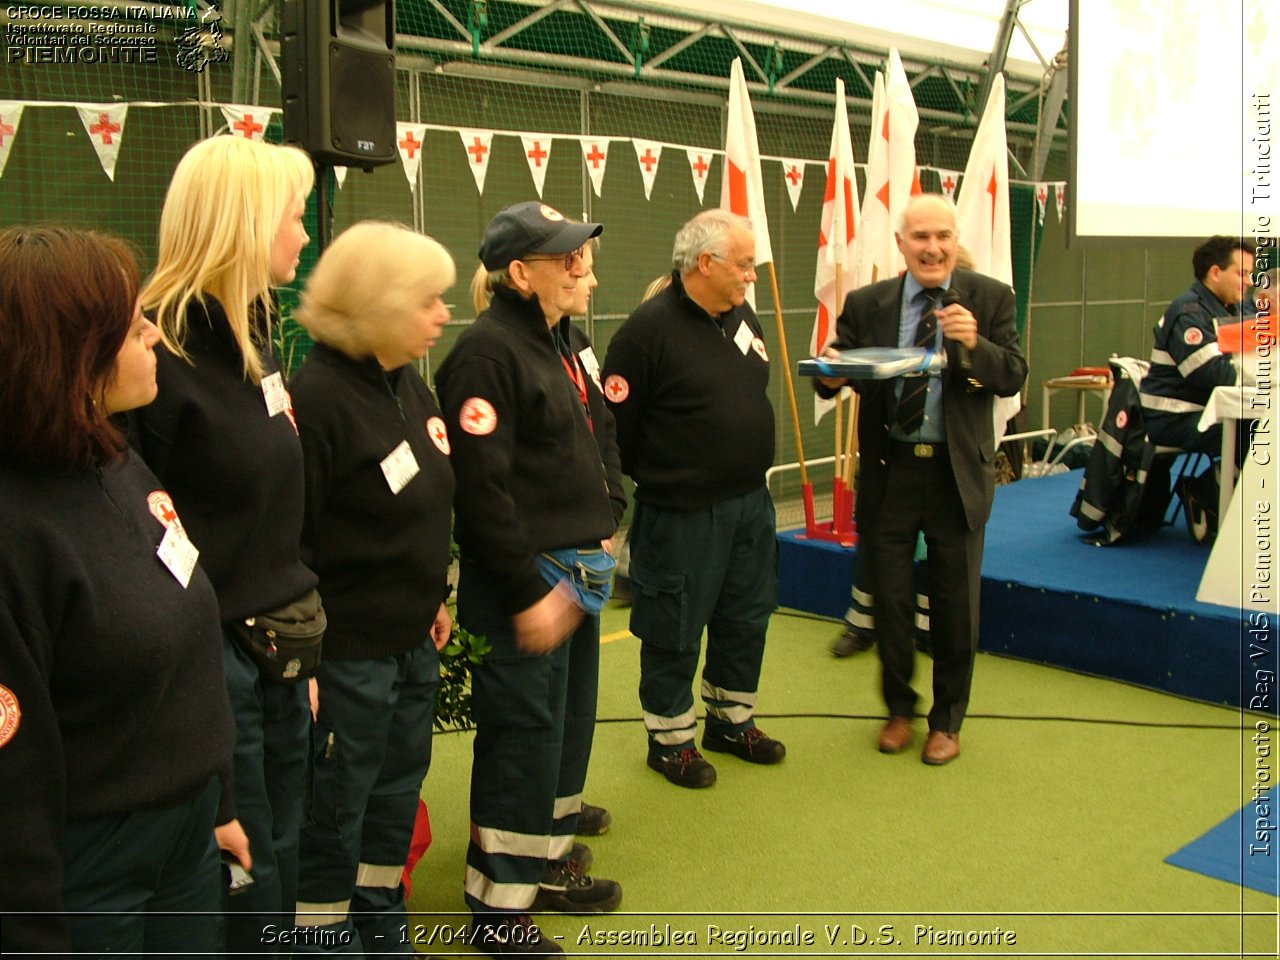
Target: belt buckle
(923,451)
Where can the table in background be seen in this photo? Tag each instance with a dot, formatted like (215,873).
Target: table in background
(1083,386)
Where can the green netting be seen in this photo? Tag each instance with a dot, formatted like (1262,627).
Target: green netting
(562,71)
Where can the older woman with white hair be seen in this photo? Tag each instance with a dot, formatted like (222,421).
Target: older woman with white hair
(379,490)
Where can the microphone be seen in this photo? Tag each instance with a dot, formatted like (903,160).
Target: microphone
(948,298)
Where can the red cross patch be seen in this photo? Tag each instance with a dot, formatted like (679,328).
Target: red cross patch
(616,388)
(478,417)
(161,506)
(438,434)
(1122,418)
(10,715)
(758,346)
(1194,336)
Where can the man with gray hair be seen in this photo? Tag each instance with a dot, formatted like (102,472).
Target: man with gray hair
(687,378)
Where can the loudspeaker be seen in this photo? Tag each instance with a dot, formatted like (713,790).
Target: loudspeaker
(338,80)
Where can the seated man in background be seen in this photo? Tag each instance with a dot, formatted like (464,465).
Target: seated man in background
(1187,364)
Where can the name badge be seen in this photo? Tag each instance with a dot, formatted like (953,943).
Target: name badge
(743,338)
(590,364)
(274,393)
(399,467)
(178,554)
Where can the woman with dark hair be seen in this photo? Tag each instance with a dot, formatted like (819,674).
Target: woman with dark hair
(114,722)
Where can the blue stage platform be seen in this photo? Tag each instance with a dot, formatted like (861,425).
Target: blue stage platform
(1127,611)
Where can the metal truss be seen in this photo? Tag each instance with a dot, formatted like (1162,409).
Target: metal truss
(641,45)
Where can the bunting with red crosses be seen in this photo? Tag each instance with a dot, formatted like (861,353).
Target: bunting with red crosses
(478,144)
(793,176)
(648,153)
(948,180)
(10,120)
(409,139)
(537,152)
(700,166)
(595,154)
(247,121)
(105,125)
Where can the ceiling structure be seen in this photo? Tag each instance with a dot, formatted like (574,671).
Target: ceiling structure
(791,56)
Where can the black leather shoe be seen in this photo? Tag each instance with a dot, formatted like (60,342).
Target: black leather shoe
(750,744)
(687,768)
(593,821)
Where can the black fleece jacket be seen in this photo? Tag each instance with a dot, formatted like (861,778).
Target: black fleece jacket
(381,556)
(112,697)
(536,469)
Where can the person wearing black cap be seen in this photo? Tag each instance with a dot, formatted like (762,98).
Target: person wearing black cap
(539,496)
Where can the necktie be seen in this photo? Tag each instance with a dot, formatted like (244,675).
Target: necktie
(911,406)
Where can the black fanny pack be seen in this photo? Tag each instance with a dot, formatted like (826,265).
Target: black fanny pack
(285,643)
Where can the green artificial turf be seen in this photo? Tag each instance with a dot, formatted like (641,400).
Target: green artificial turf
(1053,824)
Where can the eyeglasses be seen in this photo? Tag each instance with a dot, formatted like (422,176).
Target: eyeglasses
(567,259)
(746,266)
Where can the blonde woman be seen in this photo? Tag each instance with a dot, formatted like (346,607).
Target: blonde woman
(379,496)
(221,438)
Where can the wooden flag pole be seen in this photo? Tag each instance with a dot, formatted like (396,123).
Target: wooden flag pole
(839,465)
(791,393)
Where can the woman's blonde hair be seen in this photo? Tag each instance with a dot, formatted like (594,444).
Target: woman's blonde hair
(368,284)
(482,283)
(656,286)
(484,280)
(226,201)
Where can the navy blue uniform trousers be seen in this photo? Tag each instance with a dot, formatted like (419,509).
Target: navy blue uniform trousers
(535,718)
(146,882)
(713,568)
(273,722)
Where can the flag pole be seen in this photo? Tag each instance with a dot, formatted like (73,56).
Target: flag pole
(791,396)
(839,434)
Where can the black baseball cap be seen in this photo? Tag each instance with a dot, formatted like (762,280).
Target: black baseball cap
(524,228)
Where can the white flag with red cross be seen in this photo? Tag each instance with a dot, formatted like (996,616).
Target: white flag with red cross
(537,151)
(595,154)
(246,121)
(983,214)
(891,176)
(742,186)
(983,206)
(1060,190)
(648,153)
(1042,201)
(836,238)
(700,166)
(477,144)
(409,140)
(105,125)
(10,120)
(793,177)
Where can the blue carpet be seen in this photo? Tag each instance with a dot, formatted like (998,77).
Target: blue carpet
(1032,539)
(1126,611)
(1233,852)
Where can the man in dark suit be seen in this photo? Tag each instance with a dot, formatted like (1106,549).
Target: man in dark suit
(928,460)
